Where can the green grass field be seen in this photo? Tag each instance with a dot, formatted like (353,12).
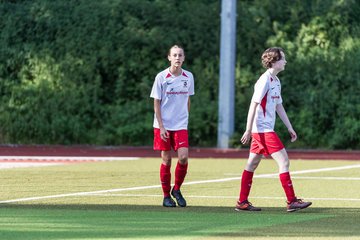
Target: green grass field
(122,200)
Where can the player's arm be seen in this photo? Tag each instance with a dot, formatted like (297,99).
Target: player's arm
(283,116)
(157,109)
(189,104)
(250,119)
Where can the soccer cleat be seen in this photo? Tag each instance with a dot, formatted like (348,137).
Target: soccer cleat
(297,204)
(179,198)
(169,202)
(246,206)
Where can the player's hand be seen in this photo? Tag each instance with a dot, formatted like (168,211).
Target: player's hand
(292,134)
(164,134)
(246,137)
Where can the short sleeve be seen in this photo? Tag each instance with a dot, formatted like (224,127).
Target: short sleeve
(156,88)
(260,89)
(192,86)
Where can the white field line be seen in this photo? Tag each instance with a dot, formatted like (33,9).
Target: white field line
(300,177)
(158,186)
(9,165)
(328,178)
(275,175)
(63,158)
(311,171)
(8,162)
(315,178)
(223,197)
(80,194)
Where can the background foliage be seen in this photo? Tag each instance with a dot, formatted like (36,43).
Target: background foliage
(80,72)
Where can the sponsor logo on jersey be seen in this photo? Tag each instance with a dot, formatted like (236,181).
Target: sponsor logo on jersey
(177,93)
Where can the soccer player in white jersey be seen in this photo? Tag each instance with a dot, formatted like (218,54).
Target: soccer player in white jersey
(171,92)
(265,103)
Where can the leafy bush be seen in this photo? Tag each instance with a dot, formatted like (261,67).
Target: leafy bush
(80,72)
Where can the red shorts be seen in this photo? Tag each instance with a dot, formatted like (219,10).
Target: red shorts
(177,139)
(265,143)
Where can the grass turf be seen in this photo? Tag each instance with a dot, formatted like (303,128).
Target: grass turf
(132,216)
(134,221)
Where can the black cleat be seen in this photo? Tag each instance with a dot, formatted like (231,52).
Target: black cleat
(179,198)
(169,202)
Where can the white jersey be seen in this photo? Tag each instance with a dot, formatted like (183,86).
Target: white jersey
(174,92)
(268,94)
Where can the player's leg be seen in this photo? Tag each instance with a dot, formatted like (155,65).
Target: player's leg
(181,167)
(165,172)
(246,182)
(293,203)
(165,167)
(277,151)
(247,176)
(282,160)
(180,144)
(165,178)
(253,162)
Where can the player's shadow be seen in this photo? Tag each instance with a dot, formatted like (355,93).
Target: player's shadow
(91,221)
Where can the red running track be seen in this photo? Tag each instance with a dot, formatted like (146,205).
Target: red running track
(125,151)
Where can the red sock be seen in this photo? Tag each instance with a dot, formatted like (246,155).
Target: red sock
(165,178)
(246,181)
(180,173)
(286,182)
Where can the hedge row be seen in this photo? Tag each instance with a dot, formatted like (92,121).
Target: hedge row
(80,72)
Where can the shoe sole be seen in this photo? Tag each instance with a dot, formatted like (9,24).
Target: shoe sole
(297,209)
(169,206)
(181,205)
(246,210)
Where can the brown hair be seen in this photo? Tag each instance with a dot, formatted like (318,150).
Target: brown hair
(270,56)
(176,46)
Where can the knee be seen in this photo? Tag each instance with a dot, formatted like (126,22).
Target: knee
(251,167)
(166,160)
(183,158)
(285,166)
